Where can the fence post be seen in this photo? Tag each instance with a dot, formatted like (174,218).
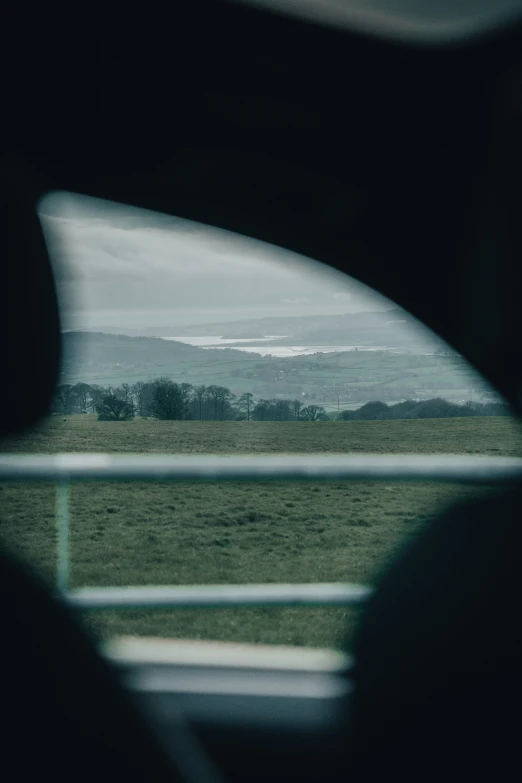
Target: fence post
(62,520)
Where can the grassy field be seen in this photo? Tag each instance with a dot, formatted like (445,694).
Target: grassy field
(160,533)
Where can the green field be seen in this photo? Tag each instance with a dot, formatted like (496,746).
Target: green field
(161,533)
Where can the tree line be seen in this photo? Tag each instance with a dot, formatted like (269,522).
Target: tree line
(437,408)
(165,399)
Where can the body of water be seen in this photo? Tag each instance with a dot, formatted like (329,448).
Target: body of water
(280,351)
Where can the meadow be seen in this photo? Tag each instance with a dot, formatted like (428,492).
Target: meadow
(159,533)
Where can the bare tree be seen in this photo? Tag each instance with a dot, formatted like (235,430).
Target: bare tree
(113,408)
(138,390)
(224,398)
(296,408)
(313,413)
(199,395)
(82,392)
(65,398)
(281,410)
(167,399)
(127,395)
(261,409)
(245,404)
(186,396)
(213,394)
(97,392)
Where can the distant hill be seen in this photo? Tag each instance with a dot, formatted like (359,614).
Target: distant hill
(96,357)
(261,327)
(391,327)
(344,378)
(107,349)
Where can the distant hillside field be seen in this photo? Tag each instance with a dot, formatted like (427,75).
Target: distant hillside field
(337,380)
(161,533)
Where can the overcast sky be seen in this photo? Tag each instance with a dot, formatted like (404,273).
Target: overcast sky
(124,267)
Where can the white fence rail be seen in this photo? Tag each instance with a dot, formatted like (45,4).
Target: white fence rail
(104,467)
(219,596)
(64,468)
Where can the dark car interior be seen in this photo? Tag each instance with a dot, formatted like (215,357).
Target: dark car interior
(383,140)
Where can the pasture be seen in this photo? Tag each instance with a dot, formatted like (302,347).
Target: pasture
(161,533)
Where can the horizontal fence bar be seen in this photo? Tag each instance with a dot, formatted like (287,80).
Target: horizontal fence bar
(363,467)
(99,467)
(217,596)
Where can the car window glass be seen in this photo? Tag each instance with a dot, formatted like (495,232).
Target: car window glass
(182,338)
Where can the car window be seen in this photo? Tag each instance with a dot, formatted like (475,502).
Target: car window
(180,338)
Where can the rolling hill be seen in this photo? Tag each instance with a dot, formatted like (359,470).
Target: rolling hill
(346,378)
(392,328)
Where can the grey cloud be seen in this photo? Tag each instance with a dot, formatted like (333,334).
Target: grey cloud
(109,260)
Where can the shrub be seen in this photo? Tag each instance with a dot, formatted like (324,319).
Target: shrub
(112,408)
